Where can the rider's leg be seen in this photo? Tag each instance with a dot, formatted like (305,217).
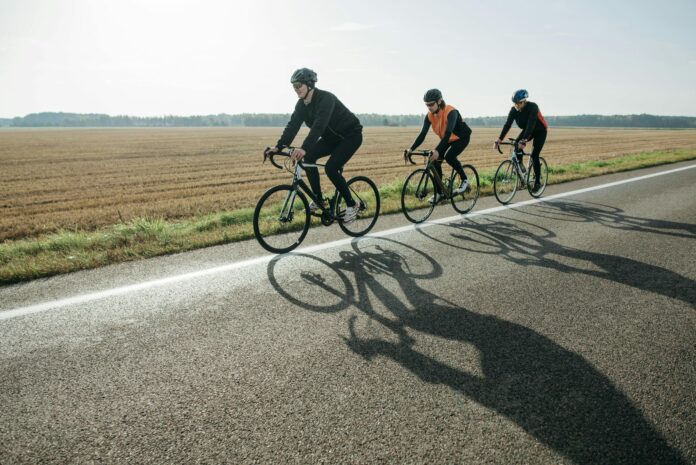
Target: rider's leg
(321,149)
(538,145)
(519,152)
(341,153)
(456,148)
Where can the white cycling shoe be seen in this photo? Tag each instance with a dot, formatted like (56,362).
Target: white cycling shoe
(434,199)
(350,215)
(462,187)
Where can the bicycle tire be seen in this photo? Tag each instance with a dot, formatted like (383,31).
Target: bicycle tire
(465,202)
(274,231)
(505,182)
(366,197)
(414,196)
(543,178)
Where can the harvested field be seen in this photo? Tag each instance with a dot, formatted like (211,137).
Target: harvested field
(53,179)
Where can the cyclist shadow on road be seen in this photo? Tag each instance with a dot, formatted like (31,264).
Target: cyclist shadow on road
(609,216)
(527,244)
(552,393)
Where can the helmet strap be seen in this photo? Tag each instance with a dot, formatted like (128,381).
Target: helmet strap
(310,94)
(437,104)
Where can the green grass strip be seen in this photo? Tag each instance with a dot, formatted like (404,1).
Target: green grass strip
(66,251)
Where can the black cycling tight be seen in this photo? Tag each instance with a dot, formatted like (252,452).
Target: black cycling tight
(451,153)
(341,150)
(539,140)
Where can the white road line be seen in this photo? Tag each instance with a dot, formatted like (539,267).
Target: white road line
(80,299)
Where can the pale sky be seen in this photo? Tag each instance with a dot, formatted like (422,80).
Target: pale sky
(198,57)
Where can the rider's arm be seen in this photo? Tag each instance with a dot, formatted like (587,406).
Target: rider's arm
(292,127)
(421,137)
(324,110)
(451,123)
(508,123)
(531,122)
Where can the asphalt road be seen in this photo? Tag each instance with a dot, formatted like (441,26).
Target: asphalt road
(557,332)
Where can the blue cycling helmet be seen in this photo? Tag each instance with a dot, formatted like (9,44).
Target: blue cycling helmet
(519,95)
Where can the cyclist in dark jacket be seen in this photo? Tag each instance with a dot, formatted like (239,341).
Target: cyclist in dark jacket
(534,127)
(334,130)
(454,136)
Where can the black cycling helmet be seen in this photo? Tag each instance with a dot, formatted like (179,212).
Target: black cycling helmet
(305,76)
(520,95)
(433,95)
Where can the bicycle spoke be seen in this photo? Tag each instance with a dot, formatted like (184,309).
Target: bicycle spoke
(281,219)
(505,182)
(366,197)
(466,200)
(415,196)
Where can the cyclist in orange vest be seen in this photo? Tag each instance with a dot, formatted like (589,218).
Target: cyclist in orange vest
(454,136)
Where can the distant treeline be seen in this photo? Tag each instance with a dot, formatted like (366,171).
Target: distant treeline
(275,119)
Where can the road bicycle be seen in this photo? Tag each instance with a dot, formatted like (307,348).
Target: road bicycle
(512,175)
(420,187)
(282,216)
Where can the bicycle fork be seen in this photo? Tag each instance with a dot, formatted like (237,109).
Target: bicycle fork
(286,212)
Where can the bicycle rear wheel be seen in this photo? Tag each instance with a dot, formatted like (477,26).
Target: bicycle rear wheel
(464,202)
(418,188)
(366,197)
(505,182)
(543,178)
(281,219)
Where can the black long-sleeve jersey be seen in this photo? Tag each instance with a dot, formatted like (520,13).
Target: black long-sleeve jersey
(325,115)
(455,125)
(529,119)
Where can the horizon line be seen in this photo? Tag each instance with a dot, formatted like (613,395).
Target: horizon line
(288,113)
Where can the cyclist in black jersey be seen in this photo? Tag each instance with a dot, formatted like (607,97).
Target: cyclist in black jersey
(454,136)
(534,127)
(334,130)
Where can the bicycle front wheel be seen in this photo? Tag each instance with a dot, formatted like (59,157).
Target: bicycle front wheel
(366,197)
(464,202)
(505,182)
(543,178)
(281,219)
(415,196)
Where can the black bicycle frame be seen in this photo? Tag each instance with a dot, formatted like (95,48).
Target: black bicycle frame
(298,184)
(308,192)
(430,168)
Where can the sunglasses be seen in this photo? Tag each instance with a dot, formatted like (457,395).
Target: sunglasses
(430,104)
(297,85)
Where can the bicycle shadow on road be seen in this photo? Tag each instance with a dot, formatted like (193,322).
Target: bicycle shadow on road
(609,216)
(552,393)
(527,244)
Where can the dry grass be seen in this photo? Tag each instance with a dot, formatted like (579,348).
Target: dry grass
(90,178)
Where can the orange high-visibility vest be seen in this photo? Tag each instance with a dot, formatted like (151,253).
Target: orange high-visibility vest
(439,122)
